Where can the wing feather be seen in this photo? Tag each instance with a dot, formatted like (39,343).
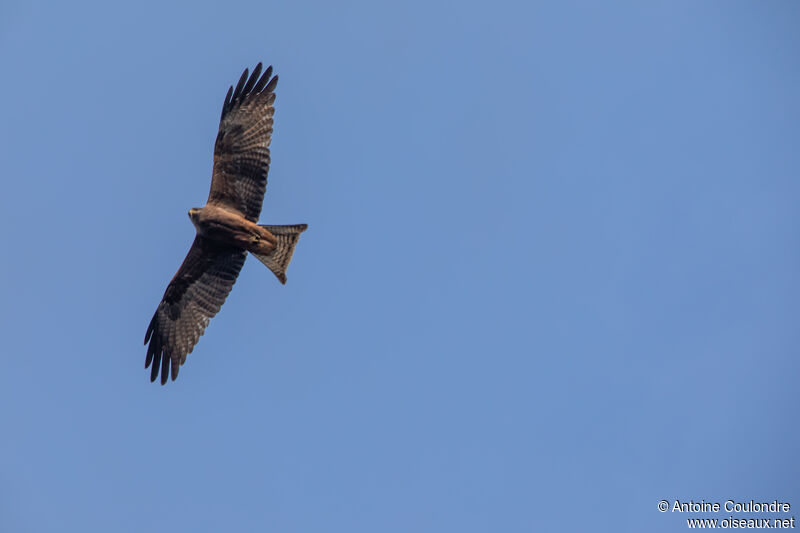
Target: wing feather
(267,76)
(193,297)
(238,91)
(241,151)
(253,78)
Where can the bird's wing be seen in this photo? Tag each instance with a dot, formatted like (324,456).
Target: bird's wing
(241,152)
(192,298)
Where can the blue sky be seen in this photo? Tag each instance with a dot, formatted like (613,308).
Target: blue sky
(550,276)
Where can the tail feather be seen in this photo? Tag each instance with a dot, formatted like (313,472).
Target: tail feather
(278,259)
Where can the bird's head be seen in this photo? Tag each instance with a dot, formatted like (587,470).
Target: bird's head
(194,213)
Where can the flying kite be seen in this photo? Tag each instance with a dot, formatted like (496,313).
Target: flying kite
(226,227)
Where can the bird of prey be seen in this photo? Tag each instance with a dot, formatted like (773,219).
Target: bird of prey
(227,227)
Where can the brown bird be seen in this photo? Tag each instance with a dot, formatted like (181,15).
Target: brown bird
(226,227)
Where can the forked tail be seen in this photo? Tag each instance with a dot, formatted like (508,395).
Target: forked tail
(278,259)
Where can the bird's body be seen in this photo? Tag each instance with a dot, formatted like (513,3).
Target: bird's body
(227,228)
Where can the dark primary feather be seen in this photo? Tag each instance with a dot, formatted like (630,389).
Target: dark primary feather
(252,80)
(238,91)
(241,151)
(193,297)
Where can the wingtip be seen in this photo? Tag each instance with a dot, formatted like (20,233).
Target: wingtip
(272,84)
(239,86)
(227,102)
(251,81)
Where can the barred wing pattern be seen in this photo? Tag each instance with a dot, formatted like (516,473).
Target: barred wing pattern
(193,297)
(241,152)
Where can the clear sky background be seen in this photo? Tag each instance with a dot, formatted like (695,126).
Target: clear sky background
(550,276)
